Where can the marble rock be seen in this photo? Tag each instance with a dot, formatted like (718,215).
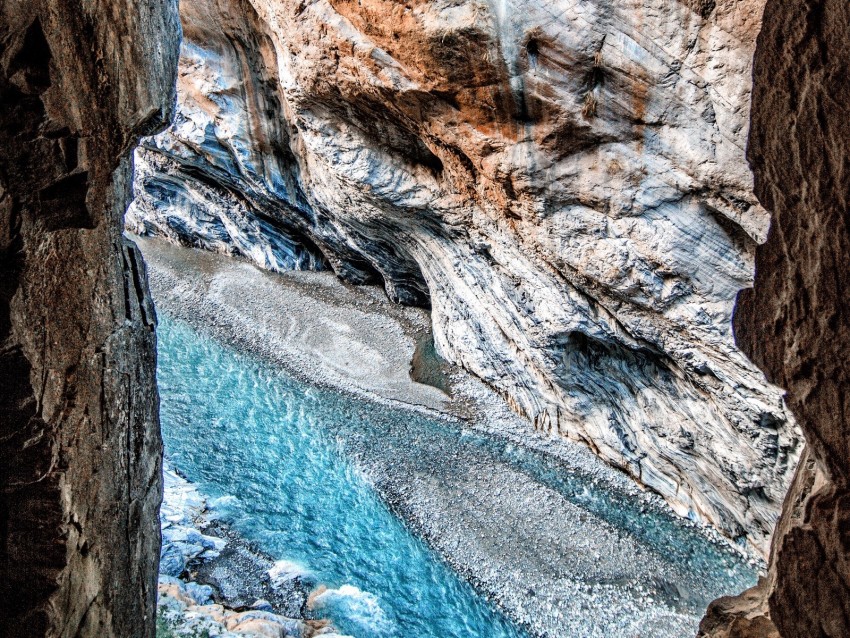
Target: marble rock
(563,184)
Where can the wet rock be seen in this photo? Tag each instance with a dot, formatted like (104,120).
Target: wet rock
(184,615)
(201,594)
(171,561)
(236,590)
(210,562)
(284,572)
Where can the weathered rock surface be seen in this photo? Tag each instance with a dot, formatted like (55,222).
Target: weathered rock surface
(796,322)
(80,480)
(564,183)
(213,582)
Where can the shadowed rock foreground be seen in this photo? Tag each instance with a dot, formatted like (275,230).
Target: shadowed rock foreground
(80,479)
(795,324)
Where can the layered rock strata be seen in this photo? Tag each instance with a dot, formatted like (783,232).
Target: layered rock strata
(80,479)
(563,183)
(795,323)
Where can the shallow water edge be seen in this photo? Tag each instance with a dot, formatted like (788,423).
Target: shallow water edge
(585,552)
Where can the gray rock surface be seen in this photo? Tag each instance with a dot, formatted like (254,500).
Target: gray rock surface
(79,433)
(213,582)
(563,183)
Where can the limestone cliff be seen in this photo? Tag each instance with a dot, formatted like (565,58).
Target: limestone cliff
(80,479)
(796,322)
(563,183)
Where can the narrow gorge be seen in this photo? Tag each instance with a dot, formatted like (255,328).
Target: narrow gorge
(475,318)
(583,263)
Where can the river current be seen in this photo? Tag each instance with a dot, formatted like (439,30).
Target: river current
(285,463)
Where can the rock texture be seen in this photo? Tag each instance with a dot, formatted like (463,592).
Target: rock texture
(563,183)
(796,322)
(208,572)
(80,477)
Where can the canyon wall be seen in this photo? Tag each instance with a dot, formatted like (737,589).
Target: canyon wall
(795,323)
(80,475)
(565,184)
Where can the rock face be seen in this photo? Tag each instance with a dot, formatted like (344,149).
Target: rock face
(796,322)
(80,477)
(564,183)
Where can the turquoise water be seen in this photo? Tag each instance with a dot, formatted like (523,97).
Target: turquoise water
(285,454)
(242,431)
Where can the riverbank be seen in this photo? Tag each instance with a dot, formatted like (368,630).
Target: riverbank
(562,543)
(213,582)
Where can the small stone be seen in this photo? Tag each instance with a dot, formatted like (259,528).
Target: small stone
(171,561)
(262,605)
(201,594)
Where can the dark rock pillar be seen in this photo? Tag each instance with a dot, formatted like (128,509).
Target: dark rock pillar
(80,449)
(795,323)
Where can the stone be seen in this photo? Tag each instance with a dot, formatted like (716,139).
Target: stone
(739,616)
(564,185)
(187,610)
(795,322)
(171,561)
(283,572)
(80,449)
(201,594)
